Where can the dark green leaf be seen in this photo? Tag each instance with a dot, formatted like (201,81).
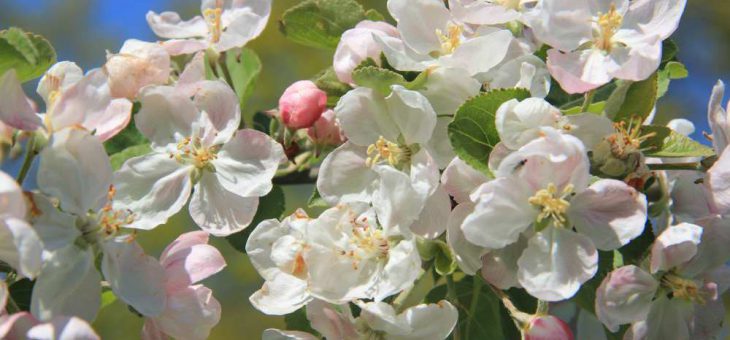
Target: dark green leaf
(29,54)
(320,23)
(669,50)
(298,321)
(473,133)
(119,158)
(633,100)
(21,292)
(270,206)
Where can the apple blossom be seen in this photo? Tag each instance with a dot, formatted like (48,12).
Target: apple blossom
(224,24)
(197,148)
(357,45)
(16,110)
(490,12)
(20,246)
(596,41)
(547,327)
(326,130)
(191,310)
(137,65)
(301,104)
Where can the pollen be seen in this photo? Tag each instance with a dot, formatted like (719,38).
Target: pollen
(552,204)
(386,151)
(213,16)
(451,40)
(683,288)
(111,221)
(608,25)
(190,150)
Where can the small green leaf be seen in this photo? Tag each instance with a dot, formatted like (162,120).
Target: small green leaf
(320,23)
(593,108)
(327,81)
(29,54)
(270,206)
(667,143)
(444,259)
(669,50)
(473,133)
(672,70)
(119,158)
(107,297)
(244,69)
(316,201)
(377,78)
(632,100)
(298,321)
(374,15)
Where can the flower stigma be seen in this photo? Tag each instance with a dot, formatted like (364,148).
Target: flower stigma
(552,205)
(397,155)
(608,25)
(213,16)
(451,40)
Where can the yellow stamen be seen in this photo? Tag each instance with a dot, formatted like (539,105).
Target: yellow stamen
(192,151)
(384,150)
(684,288)
(608,25)
(451,40)
(552,205)
(213,18)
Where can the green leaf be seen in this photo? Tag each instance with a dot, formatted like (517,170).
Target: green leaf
(374,15)
(119,158)
(316,201)
(107,297)
(29,54)
(298,321)
(327,81)
(481,314)
(381,79)
(473,133)
(270,206)
(320,23)
(672,70)
(669,50)
(444,259)
(244,69)
(632,100)
(593,108)
(21,292)
(130,136)
(668,143)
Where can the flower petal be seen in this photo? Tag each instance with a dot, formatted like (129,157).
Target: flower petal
(364,117)
(190,313)
(412,114)
(219,211)
(625,296)
(418,21)
(20,247)
(15,108)
(345,177)
(63,328)
(434,216)
(247,164)
(187,261)
(468,256)
(166,115)
(675,246)
(280,295)
(12,201)
(170,25)
(499,267)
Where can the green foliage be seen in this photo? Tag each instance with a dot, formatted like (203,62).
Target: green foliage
(29,54)
(632,100)
(119,158)
(596,108)
(672,70)
(667,143)
(107,297)
(20,293)
(481,315)
(473,133)
(243,69)
(320,23)
(381,79)
(270,206)
(298,321)
(442,255)
(327,81)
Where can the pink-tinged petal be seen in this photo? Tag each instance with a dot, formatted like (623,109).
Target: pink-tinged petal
(276,334)
(418,21)
(712,250)
(192,76)
(499,267)
(625,296)
(136,278)
(580,71)
(187,263)
(675,246)
(610,212)
(357,44)
(219,101)
(219,211)
(153,187)
(63,328)
(468,255)
(547,327)
(717,118)
(12,201)
(345,177)
(460,179)
(247,164)
(69,284)
(282,294)
(480,54)
(556,263)
(301,104)
(137,65)
(16,326)
(434,217)
(243,27)
(20,246)
(718,182)
(15,107)
(170,25)
(86,100)
(151,331)
(59,77)
(190,313)
(331,321)
(501,214)
(176,47)
(75,168)
(116,117)
(640,63)
(563,24)
(654,17)
(326,130)
(482,12)
(166,115)
(668,319)
(519,123)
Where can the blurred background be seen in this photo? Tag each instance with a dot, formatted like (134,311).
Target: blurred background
(83,30)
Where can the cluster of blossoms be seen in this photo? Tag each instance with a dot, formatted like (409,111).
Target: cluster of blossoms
(483,169)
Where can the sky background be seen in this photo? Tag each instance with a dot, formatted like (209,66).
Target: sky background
(83,30)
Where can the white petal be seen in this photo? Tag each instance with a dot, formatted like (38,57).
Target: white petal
(282,294)
(55,228)
(563,24)
(439,146)
(243,26)
(20,247)
(401,270)
(259,244)
(396,201)
(669,319)
(75,168)
(166,115)
(718,181)
(429,321)
(556,263)
(435,215)
(501,214)
(59,77)
(190,313)
(12,201)
(460,179)
(218,210)
(364,117)
(717,118)
(480,54)
(625,296)
(467,255)
(589,128)
(15,107)
(655,17)
(87,99)
(153,187)
(682,126)
(412,114)
(402,57)
(499,267)
(344,175)
(68,285)
(219,101)
(63,328)
(247,164)
(418,21)
(519,123)
(610,212)
(675,246)
(712,251)
(170,25)
(275,334)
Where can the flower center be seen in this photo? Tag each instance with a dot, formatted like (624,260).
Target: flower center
(213,18)
(608,25)
(510,4)
(367,242)
(683,288)
(110,220)
(451,39)
(552,205)
(397,155)
(627,140)
(190,150)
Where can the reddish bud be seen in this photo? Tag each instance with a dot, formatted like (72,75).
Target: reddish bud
(326,131)
(302,104)
(547,327)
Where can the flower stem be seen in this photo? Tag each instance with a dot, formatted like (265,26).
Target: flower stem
(475,291)
(452,295)
(588,101)
(28,161)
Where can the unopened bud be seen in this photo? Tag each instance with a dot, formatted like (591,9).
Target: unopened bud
(302,104)
(547,327)
(326,131)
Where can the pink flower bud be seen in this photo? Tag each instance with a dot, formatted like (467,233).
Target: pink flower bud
(547,327)
(326,131)
(302,104)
